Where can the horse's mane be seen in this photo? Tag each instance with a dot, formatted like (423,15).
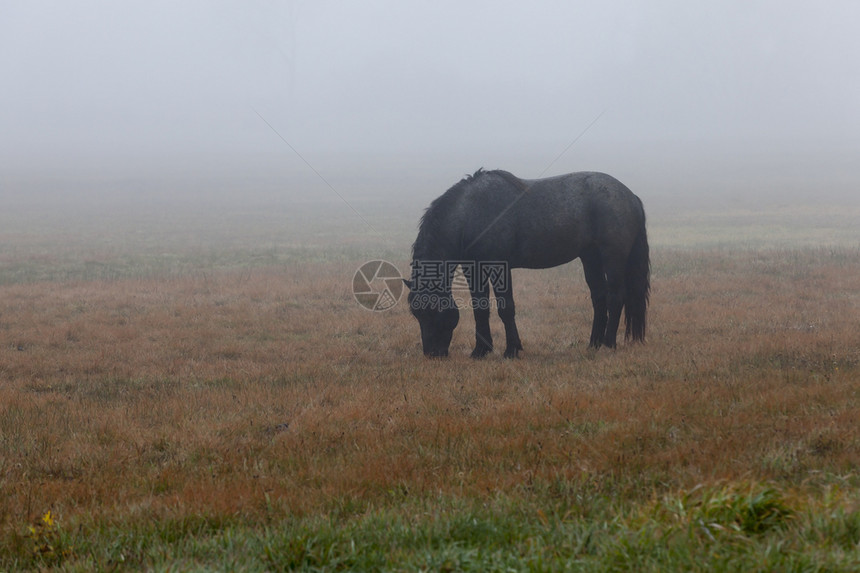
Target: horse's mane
(432,220)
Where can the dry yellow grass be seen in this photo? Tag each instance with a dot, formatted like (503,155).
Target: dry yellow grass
(271,390)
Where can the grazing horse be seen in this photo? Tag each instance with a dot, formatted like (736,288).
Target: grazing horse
(492,222)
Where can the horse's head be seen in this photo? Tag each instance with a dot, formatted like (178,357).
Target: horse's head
(437,316)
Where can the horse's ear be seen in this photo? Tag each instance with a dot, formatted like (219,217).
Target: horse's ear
(408,284)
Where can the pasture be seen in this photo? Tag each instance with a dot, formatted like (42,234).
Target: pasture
(198,389)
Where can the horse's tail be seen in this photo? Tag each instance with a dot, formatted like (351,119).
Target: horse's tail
(637,288)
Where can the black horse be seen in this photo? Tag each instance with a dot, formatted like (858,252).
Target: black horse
(492,221)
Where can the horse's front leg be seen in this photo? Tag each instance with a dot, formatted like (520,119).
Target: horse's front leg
(481,308)
(505,301)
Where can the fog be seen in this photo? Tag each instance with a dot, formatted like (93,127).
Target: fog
(343,101)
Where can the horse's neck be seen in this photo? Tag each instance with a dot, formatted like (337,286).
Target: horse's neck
(426,250)
(434,269)
(434,253)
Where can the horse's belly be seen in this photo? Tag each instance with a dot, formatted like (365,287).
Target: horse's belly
(535,253)
(548,260)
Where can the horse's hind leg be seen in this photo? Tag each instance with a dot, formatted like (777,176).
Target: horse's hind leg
(504,292)
(614,300)
(481,309)
(595,277)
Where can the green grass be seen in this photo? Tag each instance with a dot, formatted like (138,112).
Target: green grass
(554,527)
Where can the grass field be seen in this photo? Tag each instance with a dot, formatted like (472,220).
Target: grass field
(184,390)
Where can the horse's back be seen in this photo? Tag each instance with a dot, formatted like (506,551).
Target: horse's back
(540,223)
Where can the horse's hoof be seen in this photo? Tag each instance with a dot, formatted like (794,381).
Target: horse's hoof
(480,352)
(512,353)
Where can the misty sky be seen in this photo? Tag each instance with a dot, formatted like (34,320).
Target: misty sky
(460,84)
